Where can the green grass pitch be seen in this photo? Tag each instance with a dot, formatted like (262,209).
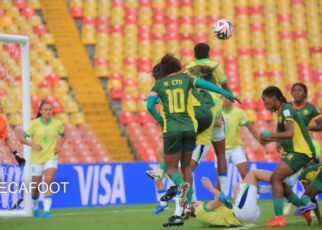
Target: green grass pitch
(129,217)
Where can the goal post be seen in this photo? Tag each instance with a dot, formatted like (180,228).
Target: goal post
(23,41)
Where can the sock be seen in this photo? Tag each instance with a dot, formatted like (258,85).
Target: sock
(194,197)
(169,180)
(278,206)
(47,203)
(177,179)
(262,189)
(305,199)
(159,194)
(189,195)
(179,209)
(162,165)
(35,202)
(223,180)
(294,200)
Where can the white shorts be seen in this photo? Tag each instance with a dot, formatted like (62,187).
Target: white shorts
(218,134)
(200,152)
(236,155)
(38,169)
(246,209)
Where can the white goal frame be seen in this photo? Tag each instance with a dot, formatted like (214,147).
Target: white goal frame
(23,41)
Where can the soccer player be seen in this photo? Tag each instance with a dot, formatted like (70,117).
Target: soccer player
(311,116)
(4,134)
(235,118)
(178,122)
(47,137)
(201,51)
(311,178)
(296,142)
(245,210)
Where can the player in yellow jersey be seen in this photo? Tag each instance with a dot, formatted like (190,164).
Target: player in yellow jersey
(201,51)
(235,118)
(245,211)
(47,137)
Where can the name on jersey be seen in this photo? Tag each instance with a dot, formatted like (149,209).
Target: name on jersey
(173,82)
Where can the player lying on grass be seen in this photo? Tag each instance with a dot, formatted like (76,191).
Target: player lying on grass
(311,178)
(245,210)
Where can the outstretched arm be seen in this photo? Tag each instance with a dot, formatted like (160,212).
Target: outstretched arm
(317,126)
(199,83)
(152,99)
(208,185)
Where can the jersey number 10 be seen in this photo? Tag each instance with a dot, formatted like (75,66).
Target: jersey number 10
(176,100)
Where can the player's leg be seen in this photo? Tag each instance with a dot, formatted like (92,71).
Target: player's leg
(50,169)
(163,205)
(239,159)
(37,170)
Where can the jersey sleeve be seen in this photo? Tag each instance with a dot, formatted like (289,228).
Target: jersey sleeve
(3,128)
(154,88)
(30,130)
(288,113)
(316,114)
(243,119)
(219,75)
(60,130)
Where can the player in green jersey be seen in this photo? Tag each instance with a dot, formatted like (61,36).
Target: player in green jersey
(311,178)
(311,114)
(201,51)
(47,137)
(178,122)
(296,142)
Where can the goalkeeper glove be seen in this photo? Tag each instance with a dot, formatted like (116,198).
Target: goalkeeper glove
(21,161)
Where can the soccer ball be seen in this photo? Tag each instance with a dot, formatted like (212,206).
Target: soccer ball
(223,29)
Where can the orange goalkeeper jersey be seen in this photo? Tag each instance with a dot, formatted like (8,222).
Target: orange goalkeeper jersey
(3,128)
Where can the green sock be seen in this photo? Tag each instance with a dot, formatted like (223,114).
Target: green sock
(177,179)
(162,165)
(294,200)
(278,206)
(189,195)
(305,199)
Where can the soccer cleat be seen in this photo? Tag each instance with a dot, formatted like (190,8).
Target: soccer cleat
(307,216)
(36,213)
(223,199)
(308,207)
(287,208)
(173,221)
(47,215)
(188,212)
(183,194)
(160,208)
(156,175)
(171,192)
(277,221)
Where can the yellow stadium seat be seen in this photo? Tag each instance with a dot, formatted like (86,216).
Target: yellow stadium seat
(88,34)
(172,11)
(34,4)
(89,7)
(129,106)
(11,29)
(186,11)
(117,11)
(15,119)
(34,20)
(76,4)
(102,38)
(13,12)
(145,16)
(101,71)
(25,30)
(63,118)
(5,21)
(47,39)
(5,4)
(77,118)
(159,3)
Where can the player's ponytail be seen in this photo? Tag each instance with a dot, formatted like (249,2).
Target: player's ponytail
(40,107)
(156,72)
(273,91)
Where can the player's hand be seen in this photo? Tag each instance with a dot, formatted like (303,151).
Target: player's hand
(36,147)
(21,161)
(57,149)
(206,183)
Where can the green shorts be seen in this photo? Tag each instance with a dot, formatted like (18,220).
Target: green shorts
(204,117)
(317,182)
(179,142)
(295,160)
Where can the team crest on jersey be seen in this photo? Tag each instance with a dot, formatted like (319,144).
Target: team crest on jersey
(305,112)
(289,156)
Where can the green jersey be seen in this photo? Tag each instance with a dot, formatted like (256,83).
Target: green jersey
(301,141)
(173,92)
(311,172)
(308,113)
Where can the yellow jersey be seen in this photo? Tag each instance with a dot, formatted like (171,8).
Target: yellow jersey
(234,119)
(44,134)
(221,216)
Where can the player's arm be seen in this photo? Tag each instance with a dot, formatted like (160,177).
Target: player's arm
(60,141)
(317,124)
(199,83)
(219,75)
(22,136)
(208,185)
(151,101)
(19,158)
(267,137)
(317,211)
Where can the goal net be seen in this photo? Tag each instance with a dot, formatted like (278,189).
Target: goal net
(15,196)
